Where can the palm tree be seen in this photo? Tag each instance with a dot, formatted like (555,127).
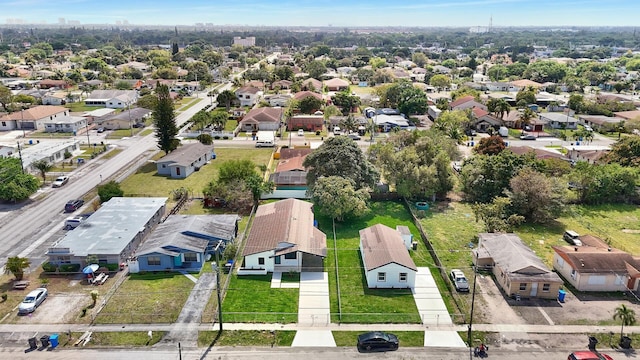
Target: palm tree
(526,116)
(627,317)
(16,265)
(43,166)
(226,97)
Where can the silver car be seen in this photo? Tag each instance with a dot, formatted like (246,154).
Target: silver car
(32,301)
(459,280)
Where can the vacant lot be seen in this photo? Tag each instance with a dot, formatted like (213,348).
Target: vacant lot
(246,338)
(355,301)
(251,299)
(147,298)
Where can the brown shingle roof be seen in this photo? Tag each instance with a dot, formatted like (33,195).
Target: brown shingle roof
(591,259)
(539,153)
(336,82)
(461,100)
(303,94)
(382,245)
(35,113)
(294,163)
(265,114)
(286,221)
(247,90)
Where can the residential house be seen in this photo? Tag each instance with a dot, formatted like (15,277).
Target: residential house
(184,242)
(186,159)
(290,174)
(559,121)
(53,151)
(281,84)
(483,120)
(386,122)
(305,93)
(439,69)
(500,86)
(96,115)
(32,118)
(385,258)
(312,84)
(305,122)
(525,83)
(336,84)
(112,233)
(596,266)
(248,95)
(54,99)
(539,153)
(113,99)
(466,102)
(58,84)
(262,119)
(418,74)
(589,153)
(65,124)
(627,115)
(517,270)
(283,238)
(133,65)
(280,100)
(123,120)
(599,122)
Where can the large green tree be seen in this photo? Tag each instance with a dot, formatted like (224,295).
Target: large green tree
(5,97)
(341,156)
(346,101)
(535,196)
(164,121)
(610,183)
(15,185)
(626,151)
(315,69)
(226,98)
(43,166)
(336,197)
(309,104)
(109,190)
(244,171)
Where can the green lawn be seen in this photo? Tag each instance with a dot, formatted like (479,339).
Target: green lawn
(124,338)
(147,298)
(146,132)
(81,107)
(120,133)
(361,90)
(246,338)
(146,181)
(406,338)
(358,303)
(189,104)
(251,299)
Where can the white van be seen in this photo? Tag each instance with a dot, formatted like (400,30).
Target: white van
(337,130)
(73,222)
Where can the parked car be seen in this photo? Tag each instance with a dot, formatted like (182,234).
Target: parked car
(337,130)
(32,301)
(377,341)
(138,125)
(100,130)
(572,238)
(470,132)
(300,132)
(588,355)
(457,167)
(354,136)
(459,280)
(59,181)
(527,137)
(73,205)
(73,222)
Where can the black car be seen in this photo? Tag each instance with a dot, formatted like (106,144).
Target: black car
(377,341)
(138,125)
(73,205)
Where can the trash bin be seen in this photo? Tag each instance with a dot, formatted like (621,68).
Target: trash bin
(54,340)
(625,342)
(33,343)
(561,295)
(414,245)
(592,343)
(45,341)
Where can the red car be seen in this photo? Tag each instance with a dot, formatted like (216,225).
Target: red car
(588,355)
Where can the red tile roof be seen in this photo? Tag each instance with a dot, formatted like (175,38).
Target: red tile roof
(265,114)
(303,94)
(35,113)
(461,100)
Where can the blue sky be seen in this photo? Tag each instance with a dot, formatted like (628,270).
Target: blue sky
(329,12)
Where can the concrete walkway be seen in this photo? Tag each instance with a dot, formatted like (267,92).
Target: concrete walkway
(314,310)
(276,282)
(433,311)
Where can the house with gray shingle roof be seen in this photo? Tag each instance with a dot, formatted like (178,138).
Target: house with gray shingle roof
(113,99)
(184,160)
(386,260)
(517,269)
(283,238)
(183,242)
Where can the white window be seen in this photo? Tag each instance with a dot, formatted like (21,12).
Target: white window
(382,277)
(403,277)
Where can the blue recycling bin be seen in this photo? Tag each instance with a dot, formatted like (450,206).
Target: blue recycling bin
(561,295)
(53,339)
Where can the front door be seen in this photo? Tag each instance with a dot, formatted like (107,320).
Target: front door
(534,289)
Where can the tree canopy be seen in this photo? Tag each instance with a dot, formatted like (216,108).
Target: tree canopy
(164,121)
(626,151)
(341,156)
(337,198)
(14,184)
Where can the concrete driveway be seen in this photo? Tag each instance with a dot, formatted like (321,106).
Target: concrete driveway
(314,310)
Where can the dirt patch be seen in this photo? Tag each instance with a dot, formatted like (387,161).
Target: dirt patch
(56,309)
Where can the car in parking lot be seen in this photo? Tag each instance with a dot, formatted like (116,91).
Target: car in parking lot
(527,137)
(32,301)
(59,181)
(588,355)
(73,205)
(459,280)
(377,341)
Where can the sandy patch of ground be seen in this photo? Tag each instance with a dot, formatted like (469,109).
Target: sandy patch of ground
(56,309)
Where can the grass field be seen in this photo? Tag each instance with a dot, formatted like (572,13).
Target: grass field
(116,338)
(147,298)
(246,338)
(358,303)
(146,181)
(81,107)
(251,299)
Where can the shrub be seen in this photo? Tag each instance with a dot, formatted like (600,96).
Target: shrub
(70,268)
(112,267)
(217,137)
(4,297)
(226,137)
(49,267)
(67,154)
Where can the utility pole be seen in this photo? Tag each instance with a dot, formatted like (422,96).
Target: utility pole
(20,155)
(129,111)
(216,268)
(473,300)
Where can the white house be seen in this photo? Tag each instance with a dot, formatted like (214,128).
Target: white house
(33,118)
(65,124)
(248,95)
(558,120)
(283,238)
(113,99)
(386,261)
(184,160)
